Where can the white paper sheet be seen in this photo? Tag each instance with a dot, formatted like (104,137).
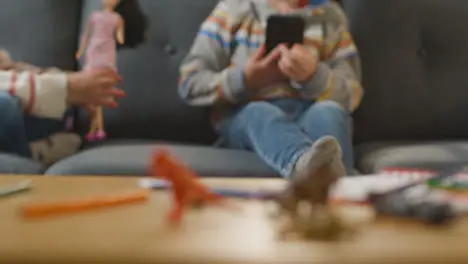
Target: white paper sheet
(355,188)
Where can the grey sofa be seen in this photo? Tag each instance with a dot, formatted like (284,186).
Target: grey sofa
(415,75)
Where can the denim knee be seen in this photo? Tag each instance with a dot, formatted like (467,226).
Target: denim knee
(10,108)
(337,122)
(260,112)
(331,109)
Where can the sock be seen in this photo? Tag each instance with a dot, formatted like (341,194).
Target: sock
(55,148)
(326,151)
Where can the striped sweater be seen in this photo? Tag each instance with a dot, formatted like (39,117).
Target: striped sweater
(41,94)
(212,72)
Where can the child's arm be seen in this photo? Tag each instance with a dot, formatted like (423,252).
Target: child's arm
(23,66)
(41,95)
(205,75)
(338,77)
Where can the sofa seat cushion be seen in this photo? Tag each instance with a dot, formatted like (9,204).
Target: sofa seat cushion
(373,157)
(12,164)
(132,159)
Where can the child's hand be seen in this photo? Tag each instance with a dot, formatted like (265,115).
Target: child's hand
(94,88)
(23,66)
(6,62)
(262,71)
(298,63)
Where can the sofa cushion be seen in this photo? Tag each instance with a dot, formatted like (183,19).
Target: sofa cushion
(11,164)
(374,157)
(132,159)
(42,32)
(152,108)
(414,58)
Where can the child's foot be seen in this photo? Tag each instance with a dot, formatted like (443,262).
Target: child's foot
(55,148)
(100,135)
(90,137)
(325,151)
(318,169)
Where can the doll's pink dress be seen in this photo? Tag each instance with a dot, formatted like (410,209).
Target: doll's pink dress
(101,50)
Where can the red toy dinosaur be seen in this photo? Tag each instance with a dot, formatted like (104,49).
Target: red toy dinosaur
(187,190)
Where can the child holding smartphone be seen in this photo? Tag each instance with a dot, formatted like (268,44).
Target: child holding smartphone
(291,106)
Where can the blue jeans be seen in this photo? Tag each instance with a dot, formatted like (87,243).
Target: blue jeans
(281,130)
(17,130)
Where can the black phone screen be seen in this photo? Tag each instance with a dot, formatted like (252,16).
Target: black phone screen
(284,29)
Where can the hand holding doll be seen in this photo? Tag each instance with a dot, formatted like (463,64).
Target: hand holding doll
(93,88)
(119,24)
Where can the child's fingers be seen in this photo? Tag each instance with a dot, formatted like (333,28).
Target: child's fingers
(272,57)
(299,50)
(109,102)
(108,73)
(287,61)
(300,64)
(294,55)
(258,54)
(109,81)
(304,56)
(114,92)
(297,60)
(284,50)
(289,67)
(105,70)
(107,97)
(288,55)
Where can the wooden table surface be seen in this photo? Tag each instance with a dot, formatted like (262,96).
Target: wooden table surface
(138,234)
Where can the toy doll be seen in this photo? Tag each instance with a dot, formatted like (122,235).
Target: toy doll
(119,24)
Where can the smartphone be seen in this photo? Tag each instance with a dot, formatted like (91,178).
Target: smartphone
(284,29)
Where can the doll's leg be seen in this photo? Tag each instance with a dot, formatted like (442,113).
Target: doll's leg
(100,134)
(94,124)
(92,129)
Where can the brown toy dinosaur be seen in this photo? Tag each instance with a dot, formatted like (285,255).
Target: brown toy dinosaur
(313,188)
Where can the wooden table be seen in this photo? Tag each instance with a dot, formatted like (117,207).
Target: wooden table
(138,234)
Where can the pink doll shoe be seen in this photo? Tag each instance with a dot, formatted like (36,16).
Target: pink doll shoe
(100,135)
(90,137)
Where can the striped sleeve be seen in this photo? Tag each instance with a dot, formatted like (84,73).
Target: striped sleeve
(205,75)
(42,95)
(338,76)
